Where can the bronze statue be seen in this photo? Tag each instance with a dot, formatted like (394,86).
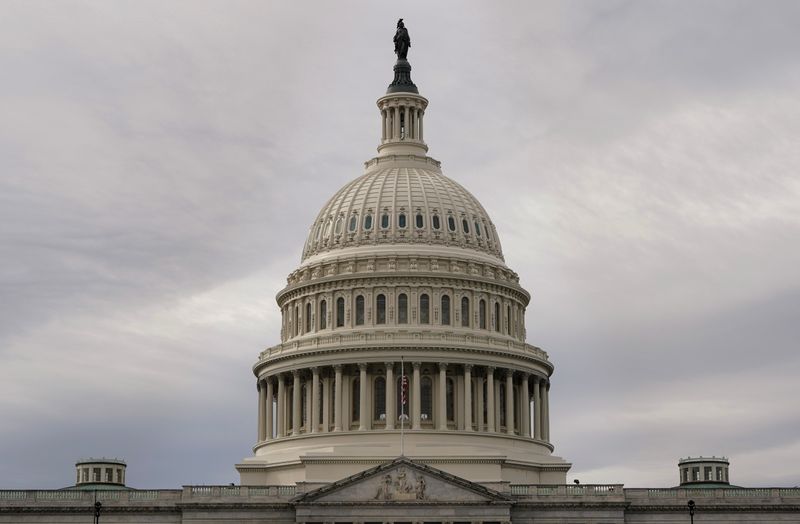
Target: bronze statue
(401,41)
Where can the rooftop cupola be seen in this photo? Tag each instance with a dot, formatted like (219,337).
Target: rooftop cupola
(402,108)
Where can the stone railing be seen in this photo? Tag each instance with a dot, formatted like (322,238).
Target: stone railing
(393,338)
(665,495)
(545,492)
(21,497)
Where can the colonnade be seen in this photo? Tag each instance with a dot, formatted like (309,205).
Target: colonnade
(414,395)
(402,123)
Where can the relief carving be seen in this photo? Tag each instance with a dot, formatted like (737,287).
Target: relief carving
(401,487)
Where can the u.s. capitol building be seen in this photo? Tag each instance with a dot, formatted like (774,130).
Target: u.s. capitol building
(403,389)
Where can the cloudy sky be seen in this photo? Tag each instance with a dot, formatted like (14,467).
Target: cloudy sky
(161,162)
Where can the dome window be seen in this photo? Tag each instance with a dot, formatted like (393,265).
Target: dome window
(360,310)
(424,309)
(385,221)
(482,314)
(353,224)
(465,226)
(380,303)
(445,310)
(464,312)
(327,229)
(401,220)
(436,222)
(338,227)
(402,308)
(419,221)
(340,312)
(368,223)
(451,223)
(477,228)
(323,314)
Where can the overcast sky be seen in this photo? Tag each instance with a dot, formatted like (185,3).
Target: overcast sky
(161,163)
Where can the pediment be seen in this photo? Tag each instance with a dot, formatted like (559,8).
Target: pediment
(403,481)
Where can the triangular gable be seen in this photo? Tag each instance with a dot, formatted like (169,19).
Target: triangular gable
(402,481)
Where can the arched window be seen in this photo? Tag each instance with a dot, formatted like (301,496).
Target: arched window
(367,222)
(323,314)
(297,320)
(353,224)
(418,221)
(308,317)
(436,222)
(385,221)
(401,220)
(464,312)
(424,309)
(497,318)
(451,223)
(338,227)
(340,312)
(445,310)
(450,401)
(380,399)
(482,314)
(477,228)
(402,308)
(355,400)
(465,226)
(327,229)
(380,303)
(360,310)
(508,320)
(426,398)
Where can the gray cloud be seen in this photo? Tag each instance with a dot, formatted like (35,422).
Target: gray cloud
(160,165)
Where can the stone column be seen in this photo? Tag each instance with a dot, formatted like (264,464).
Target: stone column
(396,123)
(537,409)
(314,399)
(391,400)
(383,125)
(337,401)
(509,402)
(296,392)
(362,400)
(326,403)
(415,398)
(262,403)
(281,407)
(479,384)
(524,406)
(546,411)
(490,399)
(467,397)
(421,114)
(442,396)
(269,423)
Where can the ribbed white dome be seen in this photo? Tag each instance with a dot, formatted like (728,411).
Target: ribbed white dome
(403,203)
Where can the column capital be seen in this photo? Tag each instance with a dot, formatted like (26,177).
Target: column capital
(467,367)
(442,366)
(315,370)
(389,365)
(416,364)
(490,370)
(362,366)
(509,372)
(295,373)
(337,367)
(525,375)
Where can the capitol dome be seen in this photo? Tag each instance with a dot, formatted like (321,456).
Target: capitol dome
(403,332)
(403,202)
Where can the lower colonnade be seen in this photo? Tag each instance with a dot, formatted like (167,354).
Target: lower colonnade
(425,396)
